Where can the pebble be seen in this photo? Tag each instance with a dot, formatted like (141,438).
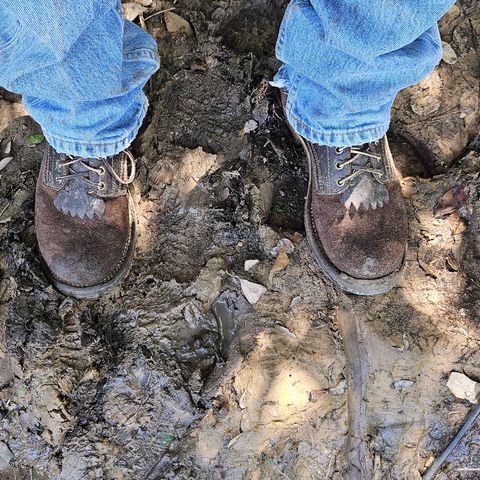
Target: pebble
(463,387)
(403,384)
(5,456)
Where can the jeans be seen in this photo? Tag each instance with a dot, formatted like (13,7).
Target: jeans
(81,69)
(344,61)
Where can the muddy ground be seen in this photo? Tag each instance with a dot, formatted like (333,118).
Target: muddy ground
(176,375)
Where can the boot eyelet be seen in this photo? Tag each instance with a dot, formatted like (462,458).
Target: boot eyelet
(102,186)
(339,150)
(340,182)
(339,166)
(101,171)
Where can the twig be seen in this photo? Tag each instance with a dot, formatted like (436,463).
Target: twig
(279,471)
(327,476)
(431,472)
(5,209)
(360,465)
(159,13)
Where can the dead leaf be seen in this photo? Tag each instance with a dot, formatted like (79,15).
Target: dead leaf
(452,264)
(9,112)
(315,395)
(281,263)
(296,238)
(252,291)
(450,202)
(132,10)
(177,24)
(266,191)
(422,104)
(457,223)
(284,330)
(284,245)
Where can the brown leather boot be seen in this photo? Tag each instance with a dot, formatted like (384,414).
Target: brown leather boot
(355,215)
(85,221)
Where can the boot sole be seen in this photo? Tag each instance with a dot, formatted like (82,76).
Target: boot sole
(96,291)
(347,283)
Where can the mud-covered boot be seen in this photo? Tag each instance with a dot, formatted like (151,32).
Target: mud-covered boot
(85,221)
(355,215)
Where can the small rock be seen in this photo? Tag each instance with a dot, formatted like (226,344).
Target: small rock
(5,456)
(4,162)
(6,375)
(429,461)
(252,291)
(177,25)
(463,387)
(8,148)
(250,126)
(340,389)
(295,301)
(449,56)
(403,384)
(249,264)
(234,440)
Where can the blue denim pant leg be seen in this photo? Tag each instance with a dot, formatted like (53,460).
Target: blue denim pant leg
(81,69)
(344,61)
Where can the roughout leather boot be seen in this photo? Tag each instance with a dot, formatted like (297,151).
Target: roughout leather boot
(355,216)
(85,221)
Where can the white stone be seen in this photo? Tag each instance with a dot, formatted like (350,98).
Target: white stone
(249,264)
(252,291)
(463,387)
(449,56)
(5,456)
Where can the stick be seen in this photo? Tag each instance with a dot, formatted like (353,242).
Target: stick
(437,464)
(360,467)
(159,13)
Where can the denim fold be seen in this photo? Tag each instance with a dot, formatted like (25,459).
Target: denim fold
(81,68)
(345,61)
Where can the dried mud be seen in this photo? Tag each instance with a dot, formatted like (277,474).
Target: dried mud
(175,375)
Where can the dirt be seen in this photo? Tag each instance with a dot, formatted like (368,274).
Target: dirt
(176,375)
(440,116)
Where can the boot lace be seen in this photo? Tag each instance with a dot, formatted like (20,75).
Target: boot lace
(357,152)
(101,171)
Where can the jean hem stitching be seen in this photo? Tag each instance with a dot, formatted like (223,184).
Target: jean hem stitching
(113,147)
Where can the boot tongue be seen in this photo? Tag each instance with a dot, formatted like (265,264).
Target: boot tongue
(79,168)
(77,197)
(366,190)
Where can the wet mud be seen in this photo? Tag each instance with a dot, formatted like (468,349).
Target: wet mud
(175,375)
